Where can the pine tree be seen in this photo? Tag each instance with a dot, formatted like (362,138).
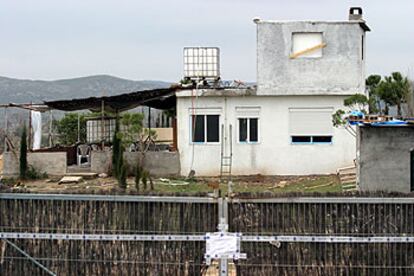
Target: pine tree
(23,154)
(116,144)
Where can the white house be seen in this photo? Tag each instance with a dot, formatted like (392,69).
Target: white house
(305,70)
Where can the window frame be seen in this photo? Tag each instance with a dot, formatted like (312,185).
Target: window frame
(306,57)
(205,142)
(247,117)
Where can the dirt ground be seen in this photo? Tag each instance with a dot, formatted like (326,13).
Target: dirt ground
(245,184)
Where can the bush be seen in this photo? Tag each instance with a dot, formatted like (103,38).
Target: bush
(67,128)
(122,177)
(138,176)
(34,174)
(145,176)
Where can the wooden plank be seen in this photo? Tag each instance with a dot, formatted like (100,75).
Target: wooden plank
(308,50)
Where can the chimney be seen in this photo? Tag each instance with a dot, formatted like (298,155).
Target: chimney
(355,13)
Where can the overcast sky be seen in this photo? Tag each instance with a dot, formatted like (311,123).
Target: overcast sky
(136,39)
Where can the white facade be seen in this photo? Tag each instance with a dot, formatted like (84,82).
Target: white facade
(274,153)
(297,92)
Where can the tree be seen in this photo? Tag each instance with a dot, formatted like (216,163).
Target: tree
(131,128)
(116,149)
(393,91)
(23,154)
(374,100)
(357,102)
(67,128)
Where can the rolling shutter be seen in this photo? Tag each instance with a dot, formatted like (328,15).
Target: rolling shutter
(310,121)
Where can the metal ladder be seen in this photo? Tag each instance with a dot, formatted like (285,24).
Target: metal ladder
(226,160)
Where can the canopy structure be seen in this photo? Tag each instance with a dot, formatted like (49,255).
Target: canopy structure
(163,98)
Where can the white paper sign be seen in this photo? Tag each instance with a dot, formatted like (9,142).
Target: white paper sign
(222,245)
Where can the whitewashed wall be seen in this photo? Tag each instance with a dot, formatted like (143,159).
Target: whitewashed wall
(274,154)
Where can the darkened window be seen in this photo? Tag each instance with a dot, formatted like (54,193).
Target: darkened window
(362,47)
(198,128)
(205,126)
(243,130)
(301,139)
(248,130)
(212,128)
(311,139)
(321,139)
(253,130)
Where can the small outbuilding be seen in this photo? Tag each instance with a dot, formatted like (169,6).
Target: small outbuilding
(385,158)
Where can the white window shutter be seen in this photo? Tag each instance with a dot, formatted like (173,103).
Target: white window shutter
(310,121)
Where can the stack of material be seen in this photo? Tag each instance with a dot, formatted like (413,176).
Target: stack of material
(347,176)
(70,179)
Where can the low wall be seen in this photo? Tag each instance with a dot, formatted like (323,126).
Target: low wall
(158,163)
(10,164)
(53,163)
(101,161)
(384,158)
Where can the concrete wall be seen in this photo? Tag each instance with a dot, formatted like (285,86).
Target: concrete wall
(53,163)
(158,163)
(340,70)
(101,161)
(384,158)
(274,154)
(10,164)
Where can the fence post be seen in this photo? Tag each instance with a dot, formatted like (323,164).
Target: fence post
(223,227)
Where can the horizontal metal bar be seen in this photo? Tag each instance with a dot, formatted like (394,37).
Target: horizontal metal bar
(115,198)
(103,237)
(247,238)
(329,239)
(366,200)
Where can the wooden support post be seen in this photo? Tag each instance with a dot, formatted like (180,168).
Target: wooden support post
(78,140)
(103,123)
(174,127)
(50,129)
(5,129)
(149,121)
(30,130)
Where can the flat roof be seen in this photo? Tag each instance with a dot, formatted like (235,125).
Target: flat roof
(361,22)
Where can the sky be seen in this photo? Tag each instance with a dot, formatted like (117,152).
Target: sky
(144,40)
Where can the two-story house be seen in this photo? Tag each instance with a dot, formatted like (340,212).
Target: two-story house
(305,70)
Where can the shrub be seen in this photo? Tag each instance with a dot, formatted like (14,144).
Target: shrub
(116,150)
(34,174)
(122,177)
(138,176)
(151,183)
(145,175)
